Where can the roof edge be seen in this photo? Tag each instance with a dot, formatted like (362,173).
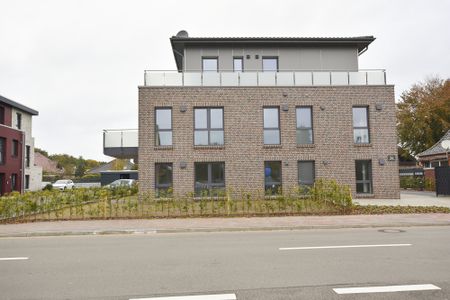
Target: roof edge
(19,106)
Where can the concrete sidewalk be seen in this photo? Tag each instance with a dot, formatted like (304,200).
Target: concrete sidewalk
(219,224)
(409,198)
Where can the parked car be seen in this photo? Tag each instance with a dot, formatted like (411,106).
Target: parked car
(121,183)
(63,184)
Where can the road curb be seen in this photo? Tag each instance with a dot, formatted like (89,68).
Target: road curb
(208,230)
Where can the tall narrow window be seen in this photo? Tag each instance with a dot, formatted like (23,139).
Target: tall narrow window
(27,182)
(272,177)
(209,178)
(210,64)
(270,64)
(208,124)
(238,64)
(2,115)
(19,120)
(14,182)
(15,148)
(361,125)
(304,125)
(27,156)
(306,173)
(163,179)
(163,130)
(363,176)
(271,126)
(2,150)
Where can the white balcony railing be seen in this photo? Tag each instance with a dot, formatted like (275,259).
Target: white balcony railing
(284,78)
(120,138)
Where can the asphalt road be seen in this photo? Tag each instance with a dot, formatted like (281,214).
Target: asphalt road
(249,265)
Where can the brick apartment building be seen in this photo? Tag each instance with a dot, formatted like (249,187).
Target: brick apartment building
(17,169)
(265,115)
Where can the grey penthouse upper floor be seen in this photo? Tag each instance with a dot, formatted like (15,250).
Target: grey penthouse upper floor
(267,54)
(269,61)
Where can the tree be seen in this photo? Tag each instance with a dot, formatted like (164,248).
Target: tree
(423,115)
(80,167)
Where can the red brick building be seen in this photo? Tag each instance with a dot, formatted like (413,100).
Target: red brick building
(17,172)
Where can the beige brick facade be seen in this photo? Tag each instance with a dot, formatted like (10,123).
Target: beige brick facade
(244,153)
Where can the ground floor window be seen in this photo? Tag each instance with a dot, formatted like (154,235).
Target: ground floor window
(163,179)
(272,177)
(27,182)
(306,173)
(363,176)
(209,179)
(14,182)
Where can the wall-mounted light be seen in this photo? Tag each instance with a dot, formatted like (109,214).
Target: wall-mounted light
(183,165)
(284,107)
(183,107)
(256,56)
(248,56)
(379,106)
(381,162)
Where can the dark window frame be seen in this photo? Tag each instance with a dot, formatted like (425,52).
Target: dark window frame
(15,148)
(364,181)
(208,128)
(272,128)
(162,186)
(270,57)
(19,120)
(361,127)
(2,150)
(210,185)
(268,184)
(241,58)
(27,182)
(157,130)
(211,57)
(27,156)
(14,179)
(305,128)
(2,114)
(313,169)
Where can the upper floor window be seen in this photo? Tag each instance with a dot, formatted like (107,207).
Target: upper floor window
(27,156)
(304,125)
(210,64)
(2,150)
(272,177)
(2,115)
(208,126)
(271,126)
(163,126)
(163,179)
(270,64)
(19,120)
(238,64)
(15,148)
(361,125)
(363,170)
(209,178)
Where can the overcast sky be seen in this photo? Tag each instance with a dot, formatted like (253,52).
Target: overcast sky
(79,62)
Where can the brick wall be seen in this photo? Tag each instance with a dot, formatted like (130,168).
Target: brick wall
(244,153)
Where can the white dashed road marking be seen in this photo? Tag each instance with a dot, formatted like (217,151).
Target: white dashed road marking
(386,289)
(194,297)
(13,258)
(346,246)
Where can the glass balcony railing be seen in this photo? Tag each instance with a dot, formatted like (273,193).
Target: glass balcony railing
(254,78)
(120,143)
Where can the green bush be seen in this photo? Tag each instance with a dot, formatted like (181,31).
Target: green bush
(412,182)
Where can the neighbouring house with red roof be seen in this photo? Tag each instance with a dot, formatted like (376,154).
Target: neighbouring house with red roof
(435,156)
(48,166)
